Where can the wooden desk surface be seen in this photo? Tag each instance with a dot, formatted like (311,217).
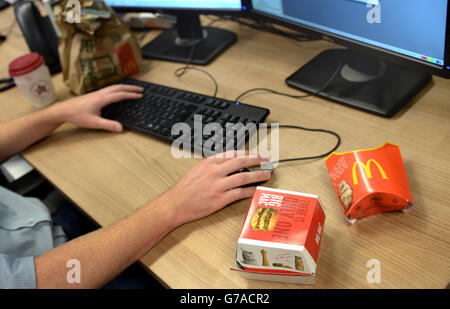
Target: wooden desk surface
(109,175)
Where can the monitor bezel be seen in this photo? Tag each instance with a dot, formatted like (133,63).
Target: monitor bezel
(176,11)
(383,54)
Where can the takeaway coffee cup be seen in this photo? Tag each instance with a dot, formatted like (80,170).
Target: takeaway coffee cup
(33,78)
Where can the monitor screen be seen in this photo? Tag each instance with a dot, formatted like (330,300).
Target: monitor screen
(178,4)
(414,28)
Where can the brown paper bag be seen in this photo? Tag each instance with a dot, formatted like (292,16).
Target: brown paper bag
(95,47)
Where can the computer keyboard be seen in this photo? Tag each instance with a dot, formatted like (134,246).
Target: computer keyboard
(163,107)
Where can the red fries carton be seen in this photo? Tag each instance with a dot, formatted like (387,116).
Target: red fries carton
(370,181)
(281,236)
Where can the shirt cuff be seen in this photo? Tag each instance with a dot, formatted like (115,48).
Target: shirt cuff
(17,273)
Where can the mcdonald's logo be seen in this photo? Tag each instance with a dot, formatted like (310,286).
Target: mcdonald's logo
(367,170)
(130,67)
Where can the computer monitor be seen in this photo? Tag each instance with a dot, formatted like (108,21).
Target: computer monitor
(189,42)
(394,46)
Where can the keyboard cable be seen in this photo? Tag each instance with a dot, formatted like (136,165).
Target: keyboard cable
(183,70)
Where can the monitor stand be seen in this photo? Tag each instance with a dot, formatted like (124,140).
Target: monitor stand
(189,42)
(364,82)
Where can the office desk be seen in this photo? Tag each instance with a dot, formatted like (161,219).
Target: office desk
(110,175)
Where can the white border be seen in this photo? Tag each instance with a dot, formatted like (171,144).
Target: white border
(280,246)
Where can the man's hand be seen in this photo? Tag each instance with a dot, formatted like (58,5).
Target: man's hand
(208,186)
(106,252)
(85,111)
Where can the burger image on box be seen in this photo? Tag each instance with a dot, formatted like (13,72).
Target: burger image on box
(281,235)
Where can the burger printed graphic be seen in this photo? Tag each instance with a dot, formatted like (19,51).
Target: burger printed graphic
(264,219)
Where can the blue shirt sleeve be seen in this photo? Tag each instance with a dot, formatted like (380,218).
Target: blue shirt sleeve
(17,273)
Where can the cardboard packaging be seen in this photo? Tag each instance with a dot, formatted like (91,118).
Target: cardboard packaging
(98,49)
(370,181)
(281,236)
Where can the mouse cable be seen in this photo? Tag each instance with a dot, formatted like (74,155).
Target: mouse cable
(181,71)
(338,143)
(325,86)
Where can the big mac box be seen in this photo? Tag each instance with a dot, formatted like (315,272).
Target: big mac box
(281,235)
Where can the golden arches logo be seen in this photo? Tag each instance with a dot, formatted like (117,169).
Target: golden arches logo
(367,170)
(130,67)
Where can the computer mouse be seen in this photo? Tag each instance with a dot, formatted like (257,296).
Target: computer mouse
(266,166)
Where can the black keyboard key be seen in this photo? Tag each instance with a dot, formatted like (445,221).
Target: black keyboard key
(162,107)
(224,105)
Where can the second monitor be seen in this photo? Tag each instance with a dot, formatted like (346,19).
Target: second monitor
(188,42)
(394,46)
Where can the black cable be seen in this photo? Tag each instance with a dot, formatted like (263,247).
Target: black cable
(330,80)
(311,157)
(181,71)
(296,36)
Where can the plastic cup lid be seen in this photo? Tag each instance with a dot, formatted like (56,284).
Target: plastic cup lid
(25,64)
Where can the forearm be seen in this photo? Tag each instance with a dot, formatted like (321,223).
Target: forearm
(83,111)
(102,255)
(105,253)
(18,134)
